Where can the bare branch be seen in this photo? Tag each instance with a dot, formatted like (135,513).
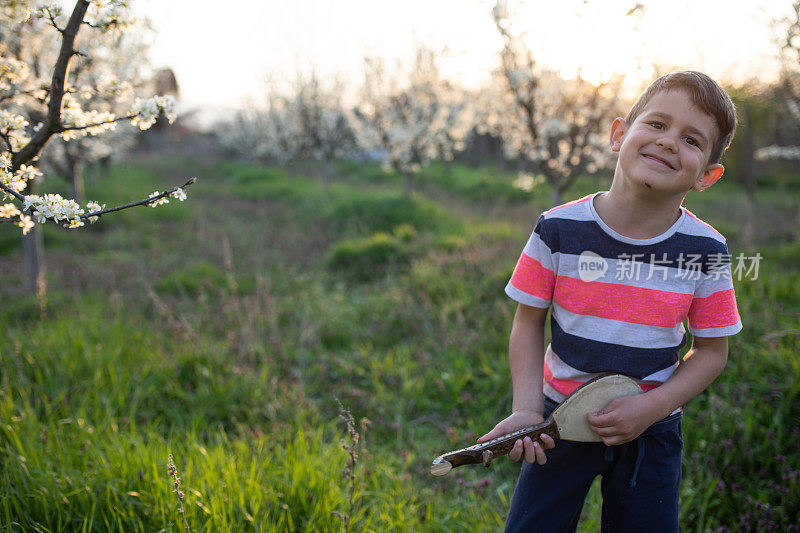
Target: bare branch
(53,23)
(94,125)
(8,190)
(147,201)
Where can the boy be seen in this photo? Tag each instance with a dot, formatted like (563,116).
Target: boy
(622,270)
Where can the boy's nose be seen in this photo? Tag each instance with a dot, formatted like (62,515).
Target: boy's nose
(667,143)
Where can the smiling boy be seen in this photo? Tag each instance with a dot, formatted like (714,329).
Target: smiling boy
(659,265)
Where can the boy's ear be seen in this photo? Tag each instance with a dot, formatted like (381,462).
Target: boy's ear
(618,129)
(709,177)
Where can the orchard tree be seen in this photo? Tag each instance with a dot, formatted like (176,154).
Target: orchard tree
(269,134)
(426,118)
(323,124)
(40,101)
(789,90)
(559,126)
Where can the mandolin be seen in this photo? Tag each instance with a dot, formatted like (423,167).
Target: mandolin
(566,422)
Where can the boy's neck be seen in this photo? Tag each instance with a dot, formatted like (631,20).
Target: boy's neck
(636,216)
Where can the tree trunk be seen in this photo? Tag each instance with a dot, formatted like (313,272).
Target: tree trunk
(33,254)
(749,175)
(33,251)
(748,159)
(76,180)
(557,195)
(326,174)
(409,178)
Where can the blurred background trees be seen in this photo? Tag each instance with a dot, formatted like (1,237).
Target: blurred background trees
(552,128)
(413,121)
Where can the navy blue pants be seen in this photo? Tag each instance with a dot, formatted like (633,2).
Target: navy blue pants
(640,483)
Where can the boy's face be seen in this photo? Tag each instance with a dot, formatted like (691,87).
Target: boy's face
(667,147)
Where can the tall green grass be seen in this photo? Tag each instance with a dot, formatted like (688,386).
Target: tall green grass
(223,331)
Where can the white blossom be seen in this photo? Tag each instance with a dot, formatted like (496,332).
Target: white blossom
(777,152)
(52,206)
(12,72)
(90,122)
(93,207)
(179,194)
(28,172)
(527,182)
(111,14)
(147,111)
(25,223)
(13,182)
(11,122)
(46,10)
(162,200)
(9,210)
(13,126)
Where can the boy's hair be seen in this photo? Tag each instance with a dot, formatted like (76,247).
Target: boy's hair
(706,94)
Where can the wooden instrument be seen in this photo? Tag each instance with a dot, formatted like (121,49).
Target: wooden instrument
(567,422)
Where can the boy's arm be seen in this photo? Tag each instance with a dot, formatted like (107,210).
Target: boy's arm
(526,359)
(626,418)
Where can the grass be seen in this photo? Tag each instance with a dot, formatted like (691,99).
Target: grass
(222,331)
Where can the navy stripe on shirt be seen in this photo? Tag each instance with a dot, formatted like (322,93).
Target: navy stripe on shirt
(593,356)
(587,235)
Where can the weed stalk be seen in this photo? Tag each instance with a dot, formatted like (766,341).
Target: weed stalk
(350,444)
(173,473)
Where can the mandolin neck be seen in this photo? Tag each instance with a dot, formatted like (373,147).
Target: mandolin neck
(486,451)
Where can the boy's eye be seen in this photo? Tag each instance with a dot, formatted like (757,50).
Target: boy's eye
(656,125)
(692,141)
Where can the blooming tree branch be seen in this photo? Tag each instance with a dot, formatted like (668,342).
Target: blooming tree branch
(53,122)
(64,116)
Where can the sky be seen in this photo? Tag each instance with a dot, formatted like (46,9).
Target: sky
(223,53)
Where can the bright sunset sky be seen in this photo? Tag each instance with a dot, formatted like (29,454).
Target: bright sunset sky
(223,51)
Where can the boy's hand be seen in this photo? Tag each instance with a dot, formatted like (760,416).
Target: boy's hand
(531,450)
(624,419)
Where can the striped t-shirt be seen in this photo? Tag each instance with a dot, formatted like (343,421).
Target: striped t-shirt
(619,304)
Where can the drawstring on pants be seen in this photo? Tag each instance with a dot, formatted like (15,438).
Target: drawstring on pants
(609,457)
(639,459)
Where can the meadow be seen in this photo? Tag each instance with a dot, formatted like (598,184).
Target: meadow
(237,330)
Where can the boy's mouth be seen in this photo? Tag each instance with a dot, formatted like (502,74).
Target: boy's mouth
(659,160)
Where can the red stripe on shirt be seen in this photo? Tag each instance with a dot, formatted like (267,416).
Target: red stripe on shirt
(718,310)
(564,386)
(573,202)
(532,278)
(624,303)
(568,386)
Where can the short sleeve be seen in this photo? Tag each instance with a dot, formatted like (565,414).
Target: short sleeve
(534,276)
(713,312)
